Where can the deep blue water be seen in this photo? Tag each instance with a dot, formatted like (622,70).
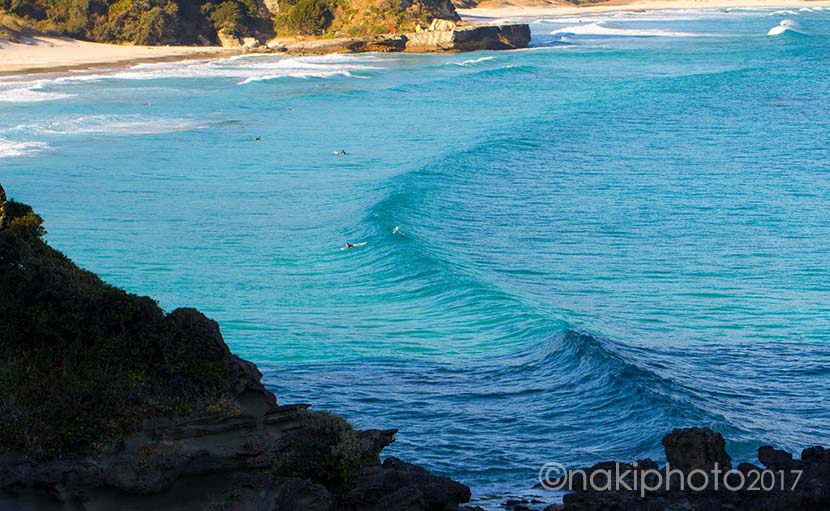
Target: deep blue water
(570,249)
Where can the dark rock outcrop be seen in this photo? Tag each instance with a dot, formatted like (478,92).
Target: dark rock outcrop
(2,208)
(696,448)
(106,402)
(781,484)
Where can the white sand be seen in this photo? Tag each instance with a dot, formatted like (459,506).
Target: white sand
(493,11)
(40,54)
(53,54)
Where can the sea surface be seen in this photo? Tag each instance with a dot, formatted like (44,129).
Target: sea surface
(569,249)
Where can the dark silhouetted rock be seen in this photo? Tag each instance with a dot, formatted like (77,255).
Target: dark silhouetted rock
(696,449)
(2,208)
(785,484)
(399,486)
(774,458)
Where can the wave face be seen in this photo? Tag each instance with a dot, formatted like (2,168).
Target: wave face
(562,253)
(786,25)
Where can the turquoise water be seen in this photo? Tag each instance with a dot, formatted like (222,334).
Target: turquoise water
(570,249)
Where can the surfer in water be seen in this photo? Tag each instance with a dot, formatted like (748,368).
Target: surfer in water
(341,152)
(353,245)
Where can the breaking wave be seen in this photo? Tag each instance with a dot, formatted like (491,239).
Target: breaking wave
(786,25)
(12,149)
(597,29)
(30,93)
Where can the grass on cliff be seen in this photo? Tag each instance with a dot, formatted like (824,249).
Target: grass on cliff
(82,362)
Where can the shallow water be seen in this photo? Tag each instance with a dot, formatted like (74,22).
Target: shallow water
(570,249)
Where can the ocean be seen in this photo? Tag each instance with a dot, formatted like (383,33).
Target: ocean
(569,249)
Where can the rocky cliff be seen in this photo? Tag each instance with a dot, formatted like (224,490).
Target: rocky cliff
(106,402)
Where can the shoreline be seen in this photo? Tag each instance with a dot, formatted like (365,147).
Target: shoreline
(40,55)
(489,14)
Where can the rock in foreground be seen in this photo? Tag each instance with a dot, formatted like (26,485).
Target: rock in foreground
(106,402)
(702,479)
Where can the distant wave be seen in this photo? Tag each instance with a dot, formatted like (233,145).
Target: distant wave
(246,69)
(787,12)
(473,61)
(109,124)
(786,25)
(12,149)
(598,29)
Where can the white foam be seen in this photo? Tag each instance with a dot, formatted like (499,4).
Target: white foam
(788,12)
(12,149)
(598,29)
(786,25)
(117,125)
(28,92)
(246,69)
(473,61)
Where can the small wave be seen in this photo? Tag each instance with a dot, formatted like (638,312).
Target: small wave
(473,61)
(244,68)
(788,12)
(31,93)
(318,74)
(12,149)
(109,124)
(598,29)
(786,25)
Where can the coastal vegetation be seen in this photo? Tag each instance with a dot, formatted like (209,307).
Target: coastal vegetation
(83,362)
(151,22)
(201,22)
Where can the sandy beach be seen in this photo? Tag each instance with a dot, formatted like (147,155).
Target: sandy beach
(495,11)
(39,54)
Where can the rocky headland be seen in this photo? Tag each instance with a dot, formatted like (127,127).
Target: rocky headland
(106,402)
(291,26)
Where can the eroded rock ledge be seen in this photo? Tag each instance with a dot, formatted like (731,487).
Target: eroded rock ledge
(451,39)
(106,403)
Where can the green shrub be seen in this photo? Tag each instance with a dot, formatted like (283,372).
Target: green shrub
(305,17)
(144,21)
(82,362)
